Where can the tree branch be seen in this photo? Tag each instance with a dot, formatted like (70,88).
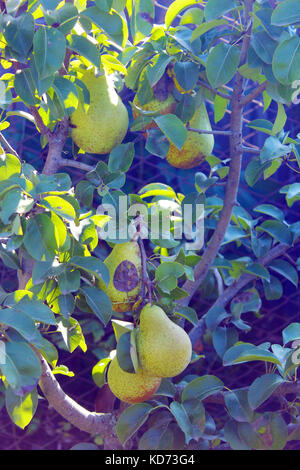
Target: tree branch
(75,164)
(93,423)
(199,131)
(213,90)
(234,170)
(247,99)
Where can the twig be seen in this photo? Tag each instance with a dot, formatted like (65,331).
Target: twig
(213,90)
(199,131)
(250,150)
(254,94)
(240,283)
(8,147)
(75,164)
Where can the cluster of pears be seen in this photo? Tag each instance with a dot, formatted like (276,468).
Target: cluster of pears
(102,124)
(197,146)
(164,350)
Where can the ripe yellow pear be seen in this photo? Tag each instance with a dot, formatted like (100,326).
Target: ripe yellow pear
(156,106)
(124,265)
(102,124)
(131,388)
(164,348)
(197,146)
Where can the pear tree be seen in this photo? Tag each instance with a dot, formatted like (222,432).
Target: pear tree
(101,80)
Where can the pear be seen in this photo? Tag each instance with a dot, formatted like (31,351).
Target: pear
(124,265)
(156,106)
(197,146)
(164,348)
(131,388)
(102,124)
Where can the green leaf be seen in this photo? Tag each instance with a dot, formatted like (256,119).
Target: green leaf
(262,388)
(291,333)
(21,409)
(131,420)
(84,192)
(223,338)
(286,13)
(124,353)
(19,32)
(66,303)
(157,68)
(286,61)
(222,64)
(205,27)
(67,94)
(35,309)
(188,313)
(10,260)
(214,8)
(50,4)
(183,421)
(187,74)
(99,371)
(202,387)
(84,47)
(68,280)
(66,17)
(21,367)
(39,239)
(121,157)
(99,302)
(142,19)
(72,334)
(264,46)
(273,290)
(49,47)
(176,7)
(25,87)
(111,23)
(247,352)
(270,210)
(285,269)
(60,206)
(92,265)
(277,230)
(173,128)
(169,268)
(237,405)
(22,323)
(258,270)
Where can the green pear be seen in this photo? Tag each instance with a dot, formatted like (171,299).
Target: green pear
(197,146)
(102,124)
(164,348)
(131,388)
(124,265)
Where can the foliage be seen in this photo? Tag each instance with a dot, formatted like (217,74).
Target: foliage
(51,224)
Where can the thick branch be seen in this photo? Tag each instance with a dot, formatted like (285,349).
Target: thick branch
(56,144)
(75,164)
(93,423)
